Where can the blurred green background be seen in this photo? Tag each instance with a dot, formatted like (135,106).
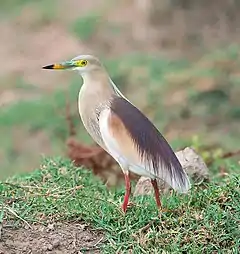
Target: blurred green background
(177,60)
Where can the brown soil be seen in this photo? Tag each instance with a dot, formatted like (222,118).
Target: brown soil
(51,239)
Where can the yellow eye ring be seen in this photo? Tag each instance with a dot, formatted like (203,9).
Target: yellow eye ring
(83,63)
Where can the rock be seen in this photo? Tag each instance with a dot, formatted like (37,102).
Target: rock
(191,162)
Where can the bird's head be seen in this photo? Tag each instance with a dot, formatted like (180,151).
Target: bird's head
(82,63)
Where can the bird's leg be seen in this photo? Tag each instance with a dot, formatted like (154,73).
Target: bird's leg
(156,193)
(127,191)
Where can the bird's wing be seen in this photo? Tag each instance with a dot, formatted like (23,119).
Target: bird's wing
(131,138)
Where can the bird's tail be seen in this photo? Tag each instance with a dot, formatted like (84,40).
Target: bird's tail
(180,182)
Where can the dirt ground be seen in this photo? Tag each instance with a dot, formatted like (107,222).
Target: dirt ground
(51,239)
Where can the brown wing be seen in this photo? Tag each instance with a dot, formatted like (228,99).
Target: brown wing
(141,142)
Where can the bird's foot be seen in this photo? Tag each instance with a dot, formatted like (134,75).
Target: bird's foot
(124,206)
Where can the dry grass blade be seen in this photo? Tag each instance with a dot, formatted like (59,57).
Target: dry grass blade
(8,209)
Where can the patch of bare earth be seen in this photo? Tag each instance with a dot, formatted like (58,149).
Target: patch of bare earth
(60,239)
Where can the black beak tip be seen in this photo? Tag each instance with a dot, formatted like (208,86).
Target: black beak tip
(48,67)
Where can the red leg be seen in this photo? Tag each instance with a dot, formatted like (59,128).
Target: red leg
(127,192)
(156,192)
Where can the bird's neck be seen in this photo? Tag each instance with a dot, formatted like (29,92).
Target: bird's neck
(96,90)
(99,83)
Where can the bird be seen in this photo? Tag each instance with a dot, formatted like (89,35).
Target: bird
(123,130)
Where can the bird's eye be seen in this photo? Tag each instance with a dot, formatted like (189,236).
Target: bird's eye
(83,63)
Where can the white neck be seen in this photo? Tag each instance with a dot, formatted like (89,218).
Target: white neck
(96,78)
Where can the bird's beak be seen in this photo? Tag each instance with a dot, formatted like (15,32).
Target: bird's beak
(60,66)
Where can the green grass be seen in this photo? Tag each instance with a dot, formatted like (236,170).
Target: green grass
(204,221)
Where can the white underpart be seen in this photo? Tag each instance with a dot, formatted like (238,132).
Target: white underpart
(114,150)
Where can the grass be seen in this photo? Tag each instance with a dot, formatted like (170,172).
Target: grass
(204,221)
